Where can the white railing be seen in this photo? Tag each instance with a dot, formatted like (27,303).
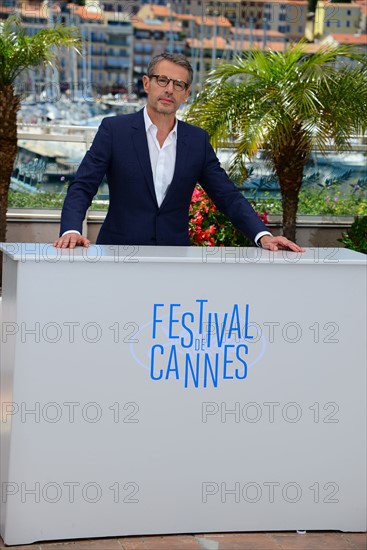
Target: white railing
(85,134)
(51,132)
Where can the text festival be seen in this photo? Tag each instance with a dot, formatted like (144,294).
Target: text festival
(200,347)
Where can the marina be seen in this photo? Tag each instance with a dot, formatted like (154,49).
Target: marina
(48,158)
(53,137)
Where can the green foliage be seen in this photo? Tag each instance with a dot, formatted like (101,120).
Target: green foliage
(312,201)
(288,104)
(19,51)
(322,202)
(21,199)
(331,202)
(260,98)
(355,237)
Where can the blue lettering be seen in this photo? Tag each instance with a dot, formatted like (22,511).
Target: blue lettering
(241,361)
(171,320)
(246,334)
(189,368)
(172,359)
(155,320)
(235,323)
(226,362)
(208,367)
(197,344)
(209,329)
(153,377)
(201,314)
(220,335)
(191,317)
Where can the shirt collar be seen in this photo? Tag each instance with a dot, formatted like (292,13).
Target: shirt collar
(148,123)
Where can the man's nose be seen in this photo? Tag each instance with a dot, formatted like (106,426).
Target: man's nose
(169,86)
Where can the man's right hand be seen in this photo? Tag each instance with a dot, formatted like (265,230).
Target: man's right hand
(71,240)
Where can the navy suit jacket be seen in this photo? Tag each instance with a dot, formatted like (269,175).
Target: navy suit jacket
(120,150)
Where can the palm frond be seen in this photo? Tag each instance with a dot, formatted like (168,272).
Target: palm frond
(19,51)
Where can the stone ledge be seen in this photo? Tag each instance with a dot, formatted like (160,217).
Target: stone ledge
(97,216)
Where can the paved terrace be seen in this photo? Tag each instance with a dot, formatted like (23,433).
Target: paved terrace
(224,541)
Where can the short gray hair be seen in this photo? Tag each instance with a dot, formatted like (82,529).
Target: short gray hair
(176,58)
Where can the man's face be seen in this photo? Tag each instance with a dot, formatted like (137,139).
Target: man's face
(166,100)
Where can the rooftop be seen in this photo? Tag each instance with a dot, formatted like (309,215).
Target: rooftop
(158,25)
(348,38)
(208,43)
(210,21)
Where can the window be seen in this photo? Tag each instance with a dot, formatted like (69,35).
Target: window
(142,34)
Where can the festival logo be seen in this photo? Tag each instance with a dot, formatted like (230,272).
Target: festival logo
(198,347)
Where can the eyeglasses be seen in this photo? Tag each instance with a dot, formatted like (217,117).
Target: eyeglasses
(163,81)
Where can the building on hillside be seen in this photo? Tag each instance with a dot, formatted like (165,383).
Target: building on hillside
(245,39)
(363,23)
(338,18)
(158,29)
(205,54)
(127,7)
(151,37)
(156,12)
(230,9)
(287,16)
(106,62)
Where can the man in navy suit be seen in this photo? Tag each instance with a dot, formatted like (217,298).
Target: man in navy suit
(153,162)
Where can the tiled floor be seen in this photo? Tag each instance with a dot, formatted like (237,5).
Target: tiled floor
(224,541)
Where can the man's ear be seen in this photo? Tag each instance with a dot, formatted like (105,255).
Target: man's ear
(146,83)
(188,92)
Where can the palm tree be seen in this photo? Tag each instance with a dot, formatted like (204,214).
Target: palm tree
(17,53)
(287,104)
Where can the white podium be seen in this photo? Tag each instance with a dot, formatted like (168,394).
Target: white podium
(181,390)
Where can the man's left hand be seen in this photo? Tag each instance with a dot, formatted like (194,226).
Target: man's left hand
(279,243)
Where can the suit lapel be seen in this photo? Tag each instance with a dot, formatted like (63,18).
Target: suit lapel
(181,155)
(139,138)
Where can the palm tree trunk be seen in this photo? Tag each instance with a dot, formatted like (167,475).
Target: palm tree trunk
(9,106)
(290,207)
(289,163)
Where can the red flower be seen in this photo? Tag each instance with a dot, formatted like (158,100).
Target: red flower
(209,227)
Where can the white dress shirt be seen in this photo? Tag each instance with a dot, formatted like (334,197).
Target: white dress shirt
(162,159)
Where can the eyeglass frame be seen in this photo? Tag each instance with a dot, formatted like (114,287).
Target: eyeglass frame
(173,80)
